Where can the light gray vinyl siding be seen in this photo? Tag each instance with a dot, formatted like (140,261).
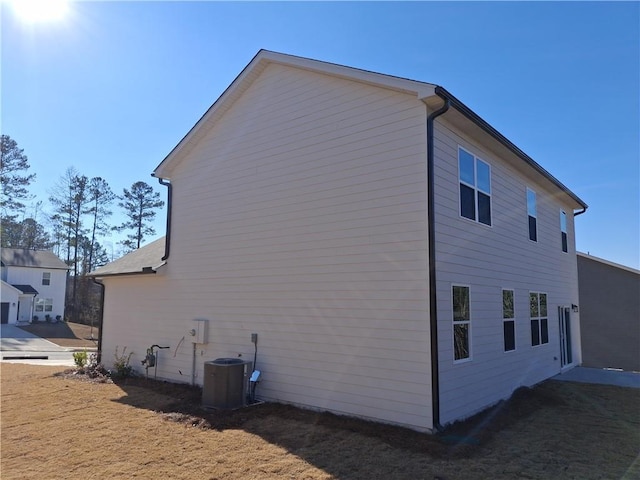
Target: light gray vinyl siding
(301,216)
(489,259)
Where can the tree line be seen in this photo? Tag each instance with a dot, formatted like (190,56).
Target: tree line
(77,218)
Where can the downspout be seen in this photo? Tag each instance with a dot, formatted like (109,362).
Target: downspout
(433,309)
(167,238)
(100,319)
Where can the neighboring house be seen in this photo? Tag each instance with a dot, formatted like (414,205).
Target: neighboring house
(609,314)
(33,285)
(397,257)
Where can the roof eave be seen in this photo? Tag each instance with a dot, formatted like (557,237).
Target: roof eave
(487,128)
(143,271)
(122,274)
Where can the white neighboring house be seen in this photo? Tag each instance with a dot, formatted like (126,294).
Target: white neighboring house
(398,258)
(34,284)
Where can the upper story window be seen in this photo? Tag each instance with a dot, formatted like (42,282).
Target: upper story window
(475,187)
(46,278)
(563,231)
(533,216)
(461,322)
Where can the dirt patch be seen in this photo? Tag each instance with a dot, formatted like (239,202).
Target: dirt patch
(54,426)
(65,334)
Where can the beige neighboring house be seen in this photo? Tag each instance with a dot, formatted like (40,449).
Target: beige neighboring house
(609,313)
(34,284)
(396,257)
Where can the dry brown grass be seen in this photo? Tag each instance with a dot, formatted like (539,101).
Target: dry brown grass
(55,427)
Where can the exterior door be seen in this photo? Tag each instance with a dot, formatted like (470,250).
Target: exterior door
(25,308)
(4,313)
(564,316)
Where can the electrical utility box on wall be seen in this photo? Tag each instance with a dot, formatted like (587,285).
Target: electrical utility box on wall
(198,332)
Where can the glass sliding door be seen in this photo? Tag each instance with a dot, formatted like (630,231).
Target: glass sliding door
(564,316)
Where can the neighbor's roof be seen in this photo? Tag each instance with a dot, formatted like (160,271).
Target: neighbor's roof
(607,262)
(20,257)
(26,289)
(429,93)
(7,286)
(144,260)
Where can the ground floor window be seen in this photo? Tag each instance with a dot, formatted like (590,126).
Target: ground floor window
(508,320)
(539,319)
(44,305)
(461,322)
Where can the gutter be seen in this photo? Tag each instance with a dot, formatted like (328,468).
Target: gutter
(144,271)
(433,309)
(100,319)
(167,238)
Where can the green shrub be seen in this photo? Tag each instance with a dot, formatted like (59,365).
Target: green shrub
(80,359)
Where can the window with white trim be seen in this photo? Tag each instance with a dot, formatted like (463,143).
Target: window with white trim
(532,214)
(563,231)
(46,278)
(475,187)
(461,322)
(539,319)
(44,305)
(508,320)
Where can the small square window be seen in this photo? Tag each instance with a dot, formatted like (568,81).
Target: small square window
(46,278)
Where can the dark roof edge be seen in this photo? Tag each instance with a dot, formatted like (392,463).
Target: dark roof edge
(474,117)
(144,271)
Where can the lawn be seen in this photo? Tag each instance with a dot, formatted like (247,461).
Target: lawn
(56,426)
(65,334)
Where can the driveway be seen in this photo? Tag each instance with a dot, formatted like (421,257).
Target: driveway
(603,376)
(17,345)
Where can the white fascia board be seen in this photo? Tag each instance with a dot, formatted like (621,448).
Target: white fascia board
(420,89)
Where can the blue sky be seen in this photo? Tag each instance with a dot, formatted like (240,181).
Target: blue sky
(113,86)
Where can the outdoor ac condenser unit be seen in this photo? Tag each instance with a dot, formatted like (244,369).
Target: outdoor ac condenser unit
(225,383)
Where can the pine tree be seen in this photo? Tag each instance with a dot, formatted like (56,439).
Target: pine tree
(140,205)
(14,180)
(99,199)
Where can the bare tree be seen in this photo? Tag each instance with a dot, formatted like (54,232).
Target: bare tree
(70,201)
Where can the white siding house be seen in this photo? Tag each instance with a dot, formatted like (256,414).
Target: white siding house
(34,284)
(301,211)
